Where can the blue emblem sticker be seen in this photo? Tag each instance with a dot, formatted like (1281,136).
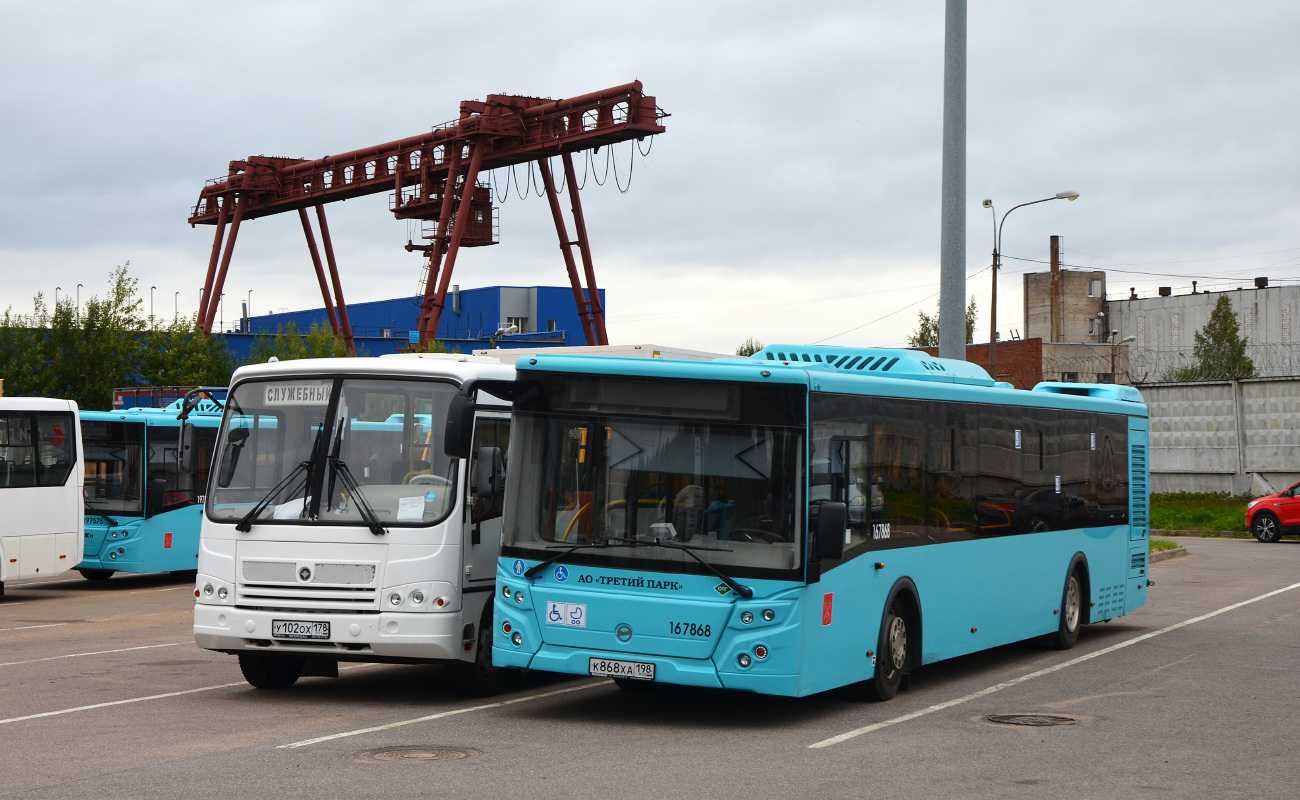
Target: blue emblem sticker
(428,497)
(561,573)
(519,567)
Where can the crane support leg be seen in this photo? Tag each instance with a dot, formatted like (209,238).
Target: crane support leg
(584,247)
(320,270)
(212,268)
(214,297)
(566,248)
(428,334)
(344,324)
(457,232)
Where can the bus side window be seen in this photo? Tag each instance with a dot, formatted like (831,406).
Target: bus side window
(488,433)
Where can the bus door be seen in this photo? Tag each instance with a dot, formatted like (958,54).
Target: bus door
(485,497)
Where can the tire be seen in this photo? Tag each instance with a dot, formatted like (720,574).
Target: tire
(480,679)
(269,671)
(96,574)
(1266,528)
(1071,613)
(893,657)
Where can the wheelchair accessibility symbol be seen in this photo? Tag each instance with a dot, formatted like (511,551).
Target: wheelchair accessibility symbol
(561,573)
(519,567)
(570,615)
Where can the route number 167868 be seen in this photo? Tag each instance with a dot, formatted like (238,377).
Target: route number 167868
(689,629)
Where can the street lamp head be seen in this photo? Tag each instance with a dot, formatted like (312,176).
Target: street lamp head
(1067,195)
(1128,340)
(988,203)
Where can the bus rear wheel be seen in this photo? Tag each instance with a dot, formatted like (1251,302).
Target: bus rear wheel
(96,574)
(1071,613)
(892,655)
(271,671)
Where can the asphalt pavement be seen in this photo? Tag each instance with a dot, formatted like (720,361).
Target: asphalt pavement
(104,694)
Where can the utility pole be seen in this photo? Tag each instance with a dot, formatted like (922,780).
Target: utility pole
(952,220)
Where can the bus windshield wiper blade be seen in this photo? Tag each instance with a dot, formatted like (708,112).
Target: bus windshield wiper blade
(246,524)
(689,550)
(538,567)
(368,515)
(96,510)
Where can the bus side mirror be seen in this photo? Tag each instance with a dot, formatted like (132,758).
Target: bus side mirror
(156,496)
(832,520)
(230,458)
(187,448)
(457,436)
(488,472)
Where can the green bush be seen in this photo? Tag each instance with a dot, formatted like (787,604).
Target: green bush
(1211,512)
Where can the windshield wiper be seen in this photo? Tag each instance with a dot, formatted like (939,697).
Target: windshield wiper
(246,524)
(743,591)
(368,515)
(538,567)
(95,509)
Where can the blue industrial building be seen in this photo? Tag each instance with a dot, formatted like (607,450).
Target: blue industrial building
(544,315)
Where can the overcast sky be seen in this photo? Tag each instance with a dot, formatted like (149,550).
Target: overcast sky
(794,196)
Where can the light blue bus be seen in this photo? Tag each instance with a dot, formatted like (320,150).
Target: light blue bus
(809,518)
(143,505)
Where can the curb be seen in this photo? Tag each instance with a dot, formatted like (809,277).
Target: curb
(1163,555)
(1198,532)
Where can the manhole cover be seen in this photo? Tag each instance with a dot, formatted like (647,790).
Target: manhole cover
(419,753)
(1032,720)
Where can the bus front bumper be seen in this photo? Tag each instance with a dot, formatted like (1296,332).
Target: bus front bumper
(680,671)
(415,636)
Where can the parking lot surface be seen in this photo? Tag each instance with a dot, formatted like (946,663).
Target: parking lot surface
(104,694)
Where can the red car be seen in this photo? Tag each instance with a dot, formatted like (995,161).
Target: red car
(1270,518)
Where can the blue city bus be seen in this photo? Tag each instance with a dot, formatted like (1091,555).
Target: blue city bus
(809,518)
(143,507)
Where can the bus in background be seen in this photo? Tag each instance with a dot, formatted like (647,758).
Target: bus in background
(337,528)
(809,518)
(143,510)
(40,487)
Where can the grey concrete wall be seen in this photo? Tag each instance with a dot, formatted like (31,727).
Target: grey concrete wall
(1080,320)
(1240,437)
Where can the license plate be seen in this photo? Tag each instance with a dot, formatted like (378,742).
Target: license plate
(295,629)
(609,668)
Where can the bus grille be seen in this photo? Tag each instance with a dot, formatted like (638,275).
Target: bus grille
(331,587)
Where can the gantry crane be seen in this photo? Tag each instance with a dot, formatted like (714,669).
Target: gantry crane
(433,177)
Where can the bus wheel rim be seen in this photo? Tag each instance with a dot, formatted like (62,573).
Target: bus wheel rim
(1072,605)
(897,642)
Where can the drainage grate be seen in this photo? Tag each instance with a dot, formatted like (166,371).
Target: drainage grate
(1032,720)
(419,753)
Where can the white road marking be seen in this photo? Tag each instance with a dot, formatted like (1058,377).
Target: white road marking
(440,715)
(843,737)
(94,653)
(120,702)
(10,605)
(31,627)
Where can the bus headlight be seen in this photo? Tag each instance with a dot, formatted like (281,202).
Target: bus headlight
(746,617)
(395,599)
(223,593)
(207,590)
(743,659)
(518,638)
(417,597)
(769,614)
(505,592)
(519,597)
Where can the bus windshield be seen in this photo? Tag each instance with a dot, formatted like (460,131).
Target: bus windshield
(302,444)
(728,485)
(114,466)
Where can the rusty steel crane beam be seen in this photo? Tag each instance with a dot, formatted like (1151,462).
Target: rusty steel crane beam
(433,177)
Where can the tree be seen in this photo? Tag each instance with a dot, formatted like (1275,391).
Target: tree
(180,355)
(749,347)
(1220,352)
(927,328)
(288,344)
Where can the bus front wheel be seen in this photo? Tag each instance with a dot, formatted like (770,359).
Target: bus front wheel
(270,671)
(891,656)
(96,574)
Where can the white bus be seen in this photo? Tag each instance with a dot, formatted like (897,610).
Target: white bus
(337,529)
(41,478)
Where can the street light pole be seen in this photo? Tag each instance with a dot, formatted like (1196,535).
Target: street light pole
(151,288)
(78,301)
(997,263)
(56,297)
(176,306)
